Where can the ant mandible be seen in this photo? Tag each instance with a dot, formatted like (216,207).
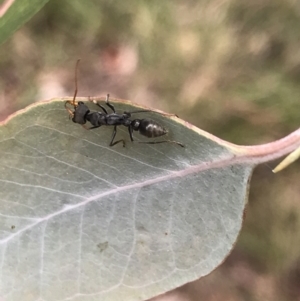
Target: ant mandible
(146,127)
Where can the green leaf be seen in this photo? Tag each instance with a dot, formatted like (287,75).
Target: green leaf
(83,221)
(14,13)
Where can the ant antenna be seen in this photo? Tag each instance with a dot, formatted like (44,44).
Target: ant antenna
(73,102)
(76,89)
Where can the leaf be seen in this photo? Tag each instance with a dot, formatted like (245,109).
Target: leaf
(80,220)
(14,13)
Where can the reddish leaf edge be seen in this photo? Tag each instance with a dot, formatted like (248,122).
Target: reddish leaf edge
(254,154)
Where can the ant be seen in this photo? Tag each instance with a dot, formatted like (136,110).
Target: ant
(146,127)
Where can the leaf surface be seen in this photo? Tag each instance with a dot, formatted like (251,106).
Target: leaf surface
(83,221)
(14,13)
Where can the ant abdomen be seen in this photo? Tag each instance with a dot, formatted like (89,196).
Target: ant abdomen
(148,128)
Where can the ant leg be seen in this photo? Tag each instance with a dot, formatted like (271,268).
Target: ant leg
(100,106)
(93,127)
(113,137)
(109,104)
(130,130)
(164,141)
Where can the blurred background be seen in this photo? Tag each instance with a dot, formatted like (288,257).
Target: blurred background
(230,67)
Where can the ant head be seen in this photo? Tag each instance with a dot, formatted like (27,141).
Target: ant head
(80,113)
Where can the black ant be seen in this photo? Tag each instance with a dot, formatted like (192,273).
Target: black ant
(146,127)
